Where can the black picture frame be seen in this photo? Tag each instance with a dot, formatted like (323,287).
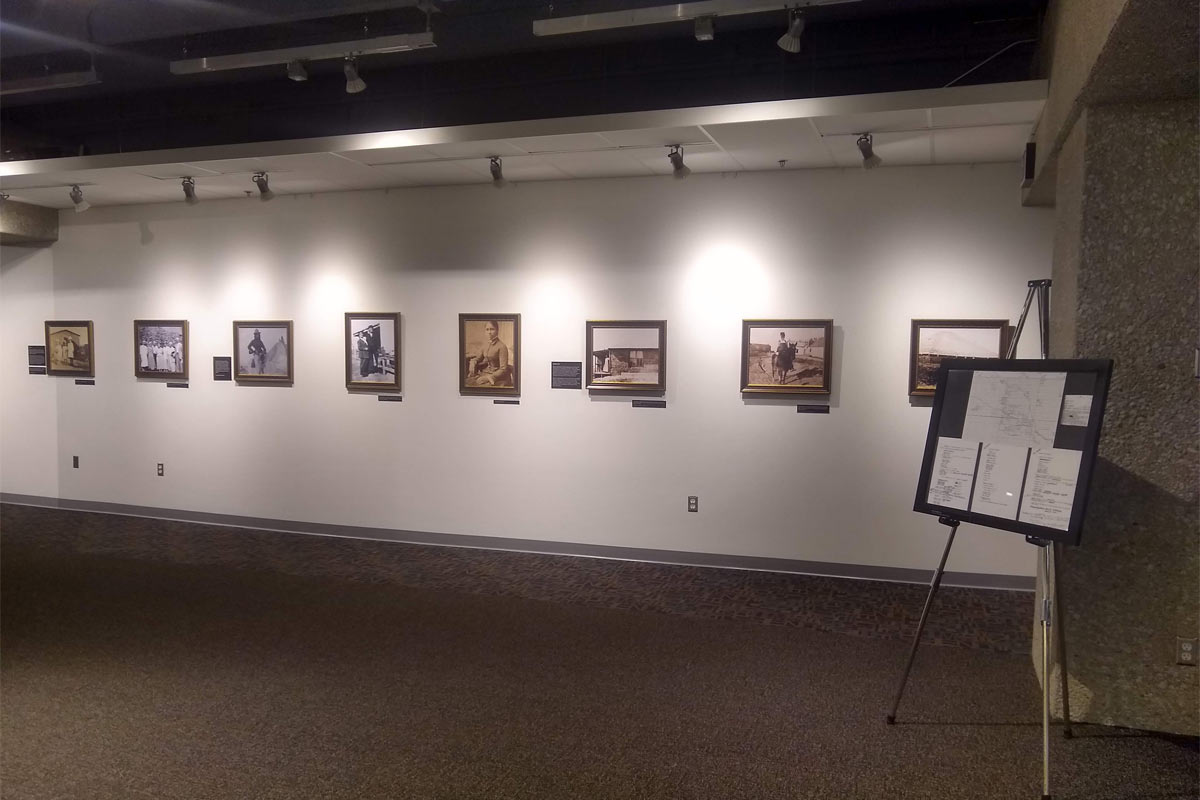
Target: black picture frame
(917,368)
(84,367)
(248,377)
(750,363)
(140,358)
(370,362)
(472,379)
(635,358)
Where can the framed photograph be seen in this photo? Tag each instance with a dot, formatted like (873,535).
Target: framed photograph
(934,340)
(160,348)
(373,351)
(627,355)
(70,348)
(489,354)
(262,351)
(786,356)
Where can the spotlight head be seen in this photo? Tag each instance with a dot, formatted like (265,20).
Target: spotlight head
(865,146)
(264,187)
(496,166)
(790,41)
(296,71)
(678,168)
(81,205)
(189,191)
(354,84)
(3,197)
(705,28)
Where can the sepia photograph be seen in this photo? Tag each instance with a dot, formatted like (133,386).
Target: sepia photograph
(627,355)
(935,340)
(69,348)
(489,354)
(373,351)
(262,351)
(786,356)
(160,348)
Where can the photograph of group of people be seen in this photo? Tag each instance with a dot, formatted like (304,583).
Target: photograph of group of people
(160,348)
(69,348)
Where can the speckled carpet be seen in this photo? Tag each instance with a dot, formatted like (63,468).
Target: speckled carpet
(126,676)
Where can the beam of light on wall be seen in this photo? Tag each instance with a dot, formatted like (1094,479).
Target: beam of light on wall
(333,291)
(725,279)
(249,289)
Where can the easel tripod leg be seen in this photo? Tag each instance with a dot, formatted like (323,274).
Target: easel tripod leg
(1047,614)
(1061,638)
(933,587)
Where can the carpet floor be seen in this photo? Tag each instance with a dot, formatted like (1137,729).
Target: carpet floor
(128,678)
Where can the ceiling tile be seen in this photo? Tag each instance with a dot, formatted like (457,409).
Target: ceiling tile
(475,149)
(874,122)
(390,155)
(991,114)
(980,145)
(570,142)
(519,168)
(165,171)
(661,137)
(761,145)
(604,164)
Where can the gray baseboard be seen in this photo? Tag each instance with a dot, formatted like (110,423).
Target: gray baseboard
(974,580)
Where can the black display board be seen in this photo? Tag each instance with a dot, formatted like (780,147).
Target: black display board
(1011,444)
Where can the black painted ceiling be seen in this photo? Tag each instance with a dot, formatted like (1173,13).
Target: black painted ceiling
(487,66)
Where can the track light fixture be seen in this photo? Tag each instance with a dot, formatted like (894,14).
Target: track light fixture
(189,191)
(3,197)
(865,146)
(296,71)
(790,41)
(678,168)
(81,205)
(354,84)
(264,188)
(496,165)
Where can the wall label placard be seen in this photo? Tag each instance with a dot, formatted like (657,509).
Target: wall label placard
(391,398)
(566,374)
(177,386)
(649,403)
(507,402)
(809,408)
(37,355)
(222,368)
(85,382)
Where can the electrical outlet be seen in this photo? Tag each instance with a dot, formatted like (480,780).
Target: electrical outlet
(160,470)
(75,462)
(693,503)
(1187,651)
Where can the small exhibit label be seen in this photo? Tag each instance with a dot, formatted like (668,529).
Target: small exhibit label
(391,398)
(177,386)
(507,402)
(222,368)
(85,382)
(806,408)
(649,403)
(37,355)
(37,370)
(566,374)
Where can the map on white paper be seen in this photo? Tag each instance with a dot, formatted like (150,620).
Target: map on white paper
(1050,487)
(998,487)
(1018,409)
(953,472)
(1077,408)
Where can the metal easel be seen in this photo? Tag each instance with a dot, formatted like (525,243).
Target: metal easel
(1052,598)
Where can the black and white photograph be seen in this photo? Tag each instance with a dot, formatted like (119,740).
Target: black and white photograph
(160,348)
(627,355)
(934,340)
(262,351)
(69,348)
(489,354)
(786,356)
(373,351)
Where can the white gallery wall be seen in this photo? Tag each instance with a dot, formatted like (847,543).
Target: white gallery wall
(871,250)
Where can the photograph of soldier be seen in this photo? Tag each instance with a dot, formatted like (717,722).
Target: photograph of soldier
(263,351)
